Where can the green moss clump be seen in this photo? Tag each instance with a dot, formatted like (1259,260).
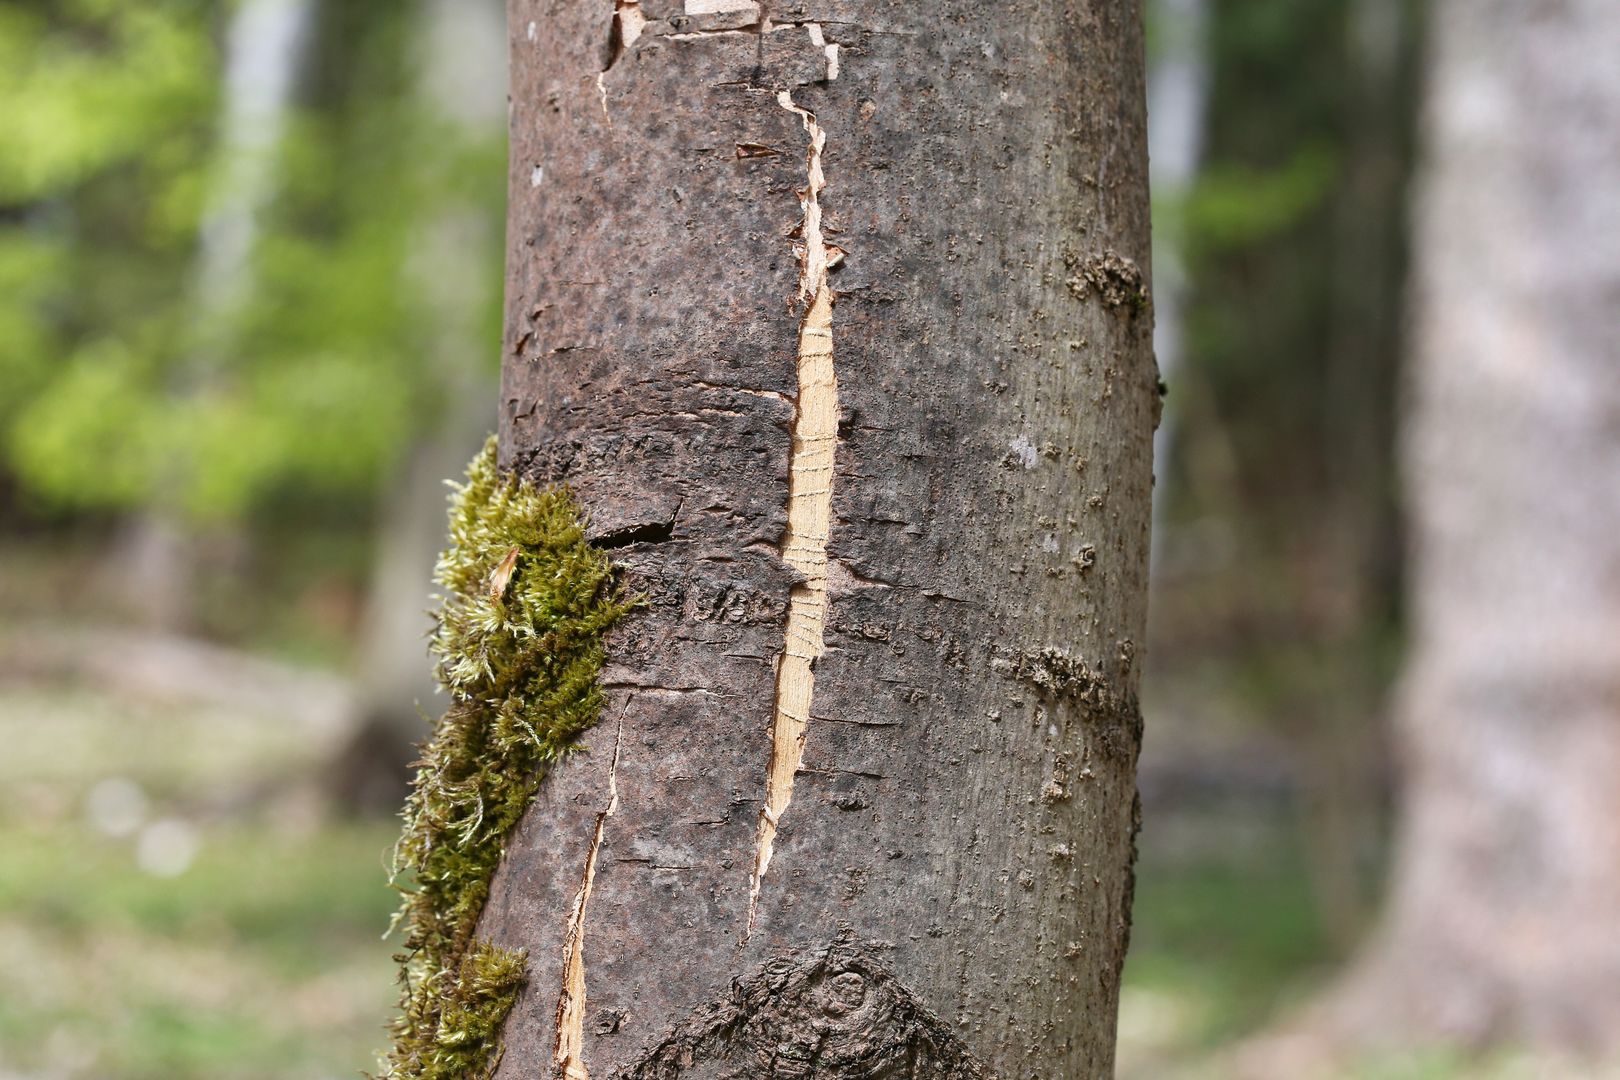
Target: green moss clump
(459,1020)
(521,624)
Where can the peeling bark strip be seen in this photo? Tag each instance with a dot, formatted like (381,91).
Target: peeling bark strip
(570,1055)
(810,478)
(964,628)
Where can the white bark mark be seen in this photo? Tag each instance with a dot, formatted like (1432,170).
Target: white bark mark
(810,474)
(721,7)
(628,23)
(570,1049)
(631,20)
(819,40)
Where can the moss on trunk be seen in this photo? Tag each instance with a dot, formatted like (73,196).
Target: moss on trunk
(526,606)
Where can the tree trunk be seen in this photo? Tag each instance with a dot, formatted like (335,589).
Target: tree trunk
(1178,101)
(1501,925)
(462,64)
(834,316)
(156,557)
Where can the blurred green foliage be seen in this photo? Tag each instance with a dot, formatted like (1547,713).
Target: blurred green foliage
(1230,932)
(1276,614)
(1281,529)
(117,388)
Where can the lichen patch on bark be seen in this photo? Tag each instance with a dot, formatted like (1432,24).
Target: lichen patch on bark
(1117,281)
(810,477)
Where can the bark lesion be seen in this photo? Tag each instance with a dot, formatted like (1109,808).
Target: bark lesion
(569,1052)
(625,27)
(810,478)
(701,19)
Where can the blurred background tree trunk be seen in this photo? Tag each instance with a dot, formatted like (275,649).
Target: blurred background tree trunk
(153,569)
(1277,559)
(1506,884)
(1178,101)
(461,57)
(1352,577)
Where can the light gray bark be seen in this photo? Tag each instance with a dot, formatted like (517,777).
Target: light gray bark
(1502,922)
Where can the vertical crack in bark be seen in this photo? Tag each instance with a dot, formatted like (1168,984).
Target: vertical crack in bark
(628,22)
(810,474)
(570,1049)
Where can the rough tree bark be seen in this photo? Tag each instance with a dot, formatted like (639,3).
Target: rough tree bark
(834,315)
(1506,892)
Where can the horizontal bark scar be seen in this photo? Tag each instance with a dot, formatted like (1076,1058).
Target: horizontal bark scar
(810,475)
(570,1049)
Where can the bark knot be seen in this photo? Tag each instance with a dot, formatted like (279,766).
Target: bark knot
(834,1012)
(1061,677)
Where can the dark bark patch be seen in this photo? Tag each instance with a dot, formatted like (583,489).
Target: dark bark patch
(828,1013)
(645,532)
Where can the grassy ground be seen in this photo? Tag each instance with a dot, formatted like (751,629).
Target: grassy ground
(1222,942)
(171,907)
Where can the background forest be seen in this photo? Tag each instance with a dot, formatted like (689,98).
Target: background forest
(250,266)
